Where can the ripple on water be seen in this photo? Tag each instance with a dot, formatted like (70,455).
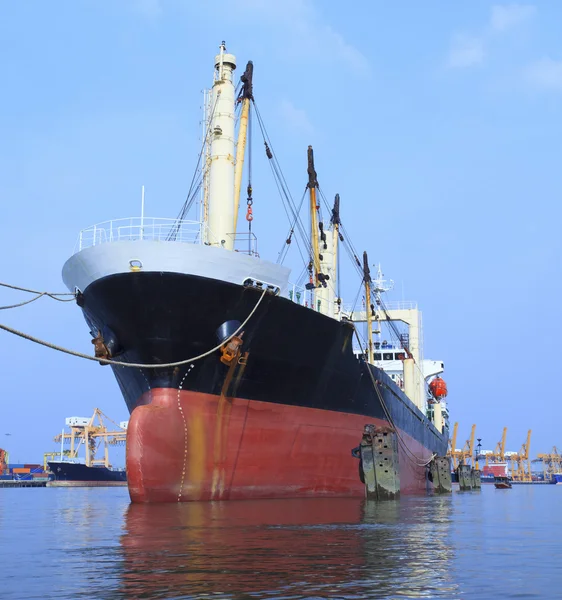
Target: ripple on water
(91,543)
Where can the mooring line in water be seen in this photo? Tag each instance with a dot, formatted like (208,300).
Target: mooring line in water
(108,361)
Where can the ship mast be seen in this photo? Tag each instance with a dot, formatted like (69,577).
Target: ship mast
(335,247)
(368,307)
(221,172)
(327,278)
(246,96)
(312,185)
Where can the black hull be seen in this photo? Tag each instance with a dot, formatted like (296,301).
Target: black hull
(296,356)
(67,471)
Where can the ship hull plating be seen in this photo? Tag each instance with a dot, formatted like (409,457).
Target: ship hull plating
(279,421)
(187,446)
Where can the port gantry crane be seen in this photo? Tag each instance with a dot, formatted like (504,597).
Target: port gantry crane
(520,462)
(453,453)
(92,435)
(465,454)
(552,463)
(498,455)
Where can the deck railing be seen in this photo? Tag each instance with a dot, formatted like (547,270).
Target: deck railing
(137,228)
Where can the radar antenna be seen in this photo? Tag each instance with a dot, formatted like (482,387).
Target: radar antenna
(380,285)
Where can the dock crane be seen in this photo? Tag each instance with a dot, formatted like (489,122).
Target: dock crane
(552,463)
(92,434)
(465,455)
(520,471)
(498,455)
(453,454)
(468,448)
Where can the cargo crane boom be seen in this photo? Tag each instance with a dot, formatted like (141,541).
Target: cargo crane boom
(552,463)
(92,433)
(467,453)
(453,447)
(498,455)
(521,463)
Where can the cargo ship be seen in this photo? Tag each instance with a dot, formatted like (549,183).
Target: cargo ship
(239,383)
(77,472)
(92,434)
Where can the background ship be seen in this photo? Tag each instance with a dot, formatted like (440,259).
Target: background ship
(76,472)
(91,434)
(240,384)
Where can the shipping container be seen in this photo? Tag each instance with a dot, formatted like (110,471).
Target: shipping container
(33,466)
(16,466)
(21,470)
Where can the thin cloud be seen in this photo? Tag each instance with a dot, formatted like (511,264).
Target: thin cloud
(545,74)
(295,118)
(468,50)
(465,51)
(507,16)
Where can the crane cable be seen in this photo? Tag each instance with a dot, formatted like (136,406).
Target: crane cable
(408,453)
(106,361)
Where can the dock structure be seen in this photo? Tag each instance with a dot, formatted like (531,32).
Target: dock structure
(379,461)
(464,473)
(22,483)
(476,481)
(440,471)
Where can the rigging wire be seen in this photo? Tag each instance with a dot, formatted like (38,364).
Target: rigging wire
(376,385)
(197,176)
(286,244)
(353,255)
(287,197)
(281,182)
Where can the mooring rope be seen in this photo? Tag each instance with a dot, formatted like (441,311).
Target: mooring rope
(24,302)
(108,361)
(53,295)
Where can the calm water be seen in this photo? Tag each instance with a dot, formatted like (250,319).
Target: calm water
(91,543)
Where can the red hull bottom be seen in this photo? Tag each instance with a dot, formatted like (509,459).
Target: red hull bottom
(187,446)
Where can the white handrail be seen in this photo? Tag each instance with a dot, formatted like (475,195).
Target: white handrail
(142,228)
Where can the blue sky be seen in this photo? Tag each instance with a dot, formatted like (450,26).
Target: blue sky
(438,123)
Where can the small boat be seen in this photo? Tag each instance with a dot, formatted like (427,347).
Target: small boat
(502,483)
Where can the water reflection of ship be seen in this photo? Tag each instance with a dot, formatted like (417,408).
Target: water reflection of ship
(327,547)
